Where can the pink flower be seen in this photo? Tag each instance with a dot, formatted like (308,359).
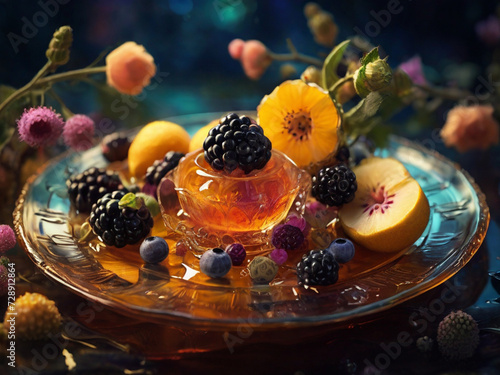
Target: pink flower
(489,30)
(472,127)
(129,68)
(235,48)
(253,55)
(40,126)
(7,238)
(413,67)
(78,132)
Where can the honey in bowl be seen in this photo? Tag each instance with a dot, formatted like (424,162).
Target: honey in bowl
(242,207)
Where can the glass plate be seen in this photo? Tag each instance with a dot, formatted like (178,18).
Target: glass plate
(118,279)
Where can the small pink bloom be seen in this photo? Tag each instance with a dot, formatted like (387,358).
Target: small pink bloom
(296,221)
(235,48)
(413,67)
(40,126)
(472,127)
(255,59)
(78,132)
(489,30)
(279,256)
(7,238)
(129,68)
(318,215)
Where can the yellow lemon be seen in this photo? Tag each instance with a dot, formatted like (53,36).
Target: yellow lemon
(200,135)
(152,143)
(390,210)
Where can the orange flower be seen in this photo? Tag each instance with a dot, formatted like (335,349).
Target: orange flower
(472,127)
(301,121)
(129,68)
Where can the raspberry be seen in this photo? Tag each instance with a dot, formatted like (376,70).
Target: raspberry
(161,167)
(86,188)
(237,253)
(279,256)
(237,142)
(287,237)
(36,318)
(334,186)
(117,224)
(318,267)
(115,147)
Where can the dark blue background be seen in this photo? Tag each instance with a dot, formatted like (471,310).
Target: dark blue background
(188,39)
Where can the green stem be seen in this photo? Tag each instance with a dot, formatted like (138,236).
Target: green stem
(23,90)
(333,89)
(73,74)
(445,93)
(294,55)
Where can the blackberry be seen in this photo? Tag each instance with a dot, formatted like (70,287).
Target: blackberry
(237,142)
(115,147)
(119,226)
(335,185)
(318,267)
(86,188)
(161,167)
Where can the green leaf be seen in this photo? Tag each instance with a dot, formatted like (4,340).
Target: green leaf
(371,56)
(380,135)
(329,71)
(359,80)
(359,118)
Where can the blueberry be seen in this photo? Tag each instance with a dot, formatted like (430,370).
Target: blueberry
(154,249)
(215,263)
(342,250)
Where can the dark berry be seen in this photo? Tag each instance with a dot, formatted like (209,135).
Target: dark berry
(318,267)
(215,263)
(86,188)
(237,253)
(119,226)
(343,154)
(237,143)
(115,147)
(287,237)
(335,185)
(154,249)
(342,250)
(161,167)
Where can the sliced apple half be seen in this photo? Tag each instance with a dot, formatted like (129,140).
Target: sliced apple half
(390,211)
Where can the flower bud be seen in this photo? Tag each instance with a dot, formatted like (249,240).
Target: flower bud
(58,51)
(311,9)
(323,28)
(287,71)
(378,75)
(311,75)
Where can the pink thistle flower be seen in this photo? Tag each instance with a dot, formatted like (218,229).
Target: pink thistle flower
(489,30)
(414,68)
(78,132)
(472,127)
(7,238)
(40,126)
(255,59)
(235,48)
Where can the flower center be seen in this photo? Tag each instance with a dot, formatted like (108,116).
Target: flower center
(378,200)
(298,124)
(40,129)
